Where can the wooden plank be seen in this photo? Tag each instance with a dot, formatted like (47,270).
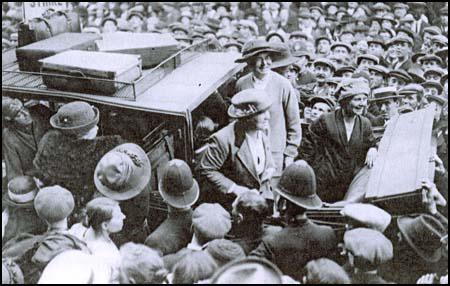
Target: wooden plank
(403,155)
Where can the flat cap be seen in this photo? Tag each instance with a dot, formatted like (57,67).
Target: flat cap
(379,68)
(368,215)
(401,6)
(434,70)
(401,39)
(384,93)
(212,221)
(381,6)
(373,58)
(439,39)
(54,203)
(401,74)
(326,62)
(412,88)
(434,30)
(342,44)
(430,57)
(249,102)
(434,84)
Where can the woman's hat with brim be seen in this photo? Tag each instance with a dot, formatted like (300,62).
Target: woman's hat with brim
(284,58)
(248,103)
(298,185)
(123,173)
(76,117)
(351,87)
(21,192)
(423,234)
(253,48)
(250,270)
(177,186)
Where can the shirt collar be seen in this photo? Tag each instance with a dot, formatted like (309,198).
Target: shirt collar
(195,245)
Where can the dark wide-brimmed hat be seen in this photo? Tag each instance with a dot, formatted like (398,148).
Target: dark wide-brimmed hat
(21,192)
(423,233)
(250,270)
(177,185)
(123,173)
(249,102)
(253,48)
(298,185)
(76,117)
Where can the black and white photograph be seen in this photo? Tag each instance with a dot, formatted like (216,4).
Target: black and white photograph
(224,142)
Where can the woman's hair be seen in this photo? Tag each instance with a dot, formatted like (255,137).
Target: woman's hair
(141,265)
(99,210)
(326,271)
(194,267)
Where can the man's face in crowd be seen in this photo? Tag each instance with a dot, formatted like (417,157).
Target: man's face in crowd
(261,121)
(436,46)
(375,49)
(411,100)
(186,21)
(303,61)
(407,25)
(428,64)
(433,77)
(347,74)
(386,36)
(318,109)
(427,38)
(431,90)
(262,64)
(404,49)
(290,72)
(136,23)
(340,52)
(376,79)
(361,47)
(400,13)
(356,105)
(315,14)
(322,72)
(245,31)
(365,63)
(396,82)
(23,117)
(386,24)
(323,46)
(388,108)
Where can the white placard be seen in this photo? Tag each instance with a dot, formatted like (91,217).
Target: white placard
(38,9)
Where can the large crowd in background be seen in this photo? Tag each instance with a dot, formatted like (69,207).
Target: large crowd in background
(323,82)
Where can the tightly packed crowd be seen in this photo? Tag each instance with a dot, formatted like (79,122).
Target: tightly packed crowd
(323,82)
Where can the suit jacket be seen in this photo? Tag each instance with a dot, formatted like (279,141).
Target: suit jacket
(285,132)
(228,160)
(294,246)
(173,234)
(368,278)
(336,161)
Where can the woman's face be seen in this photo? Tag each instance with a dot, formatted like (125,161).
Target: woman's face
(290,73)
(357,105)
(262,64)
(115,224)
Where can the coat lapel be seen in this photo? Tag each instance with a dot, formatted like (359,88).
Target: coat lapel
(244,154)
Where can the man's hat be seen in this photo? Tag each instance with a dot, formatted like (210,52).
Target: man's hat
(441,39)
(389,17)
(249,102)
(377,40)
(250,270)
(373,58)
(343,70)
(211,220)
(442,53)
(431,57)
(213,23)
(179,28)
(135,14)
(434,84)
(367,215)
(299,34)
(368,245)
(433,30)
(423,233)
(275,34)
(417,75)
(407,31)
(177,185)
(10,107)
(361,29)
(380,6)
(407,19)
(417,4)
(401,74)
(384,93)
(253,48)
(328,100)
(401,6)
(438,99)
(326,62)
(53,204)
(444,78)
(341,44)
(298,185)
(380,69)
(233,44)
(412,88)
(123,173)
(108,19)
(224,250)
(285,57)
(318,8)
(434,70)
(77,117)
(400,39)
(444,11)
(21,192)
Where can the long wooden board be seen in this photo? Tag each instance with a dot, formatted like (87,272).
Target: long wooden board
(403,155)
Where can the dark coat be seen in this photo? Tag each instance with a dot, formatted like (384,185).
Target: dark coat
(249,240)
(368,278)
(336,160)
(21,144)
(228,160)
(70,162)
(294,246)
(173,234)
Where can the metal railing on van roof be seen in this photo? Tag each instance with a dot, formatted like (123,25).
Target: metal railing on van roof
(27,82)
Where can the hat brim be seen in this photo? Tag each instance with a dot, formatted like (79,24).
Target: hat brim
(76,129)
(312,202)
(315,99)
(284,62)
(439,99)
(8,202)
(142,177)
(247,57)
(188,199)
(405,223)
(232,112)
(385,98)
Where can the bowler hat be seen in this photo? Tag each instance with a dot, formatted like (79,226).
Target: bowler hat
(250,270)
(10,107)
(21,192)
(177,186)
(423,233)
(53,204)
(249,102)
(352,87)
(123,172)
(77,117)
(212,221)
(285,57)
(384,93)
(253,48)
(434,84)
(369,247)
(403,75)
(298,185)
(373,58)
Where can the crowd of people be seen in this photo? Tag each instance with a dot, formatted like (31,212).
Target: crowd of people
(323,80)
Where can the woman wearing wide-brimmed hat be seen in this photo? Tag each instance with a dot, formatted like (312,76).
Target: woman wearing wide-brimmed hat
(344,142)
(67,155)
(238,157)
